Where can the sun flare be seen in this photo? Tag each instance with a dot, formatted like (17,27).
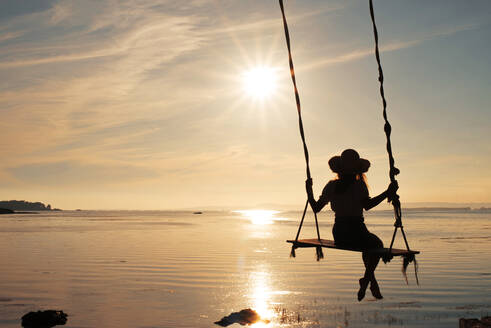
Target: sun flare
(260,82)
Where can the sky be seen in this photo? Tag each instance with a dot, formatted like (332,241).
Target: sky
(141,104)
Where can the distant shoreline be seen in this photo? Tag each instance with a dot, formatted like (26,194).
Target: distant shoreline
(19,206)
(445,209)
(7,211)
(276,211)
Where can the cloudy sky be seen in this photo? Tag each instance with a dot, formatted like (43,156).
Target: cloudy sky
(142,104)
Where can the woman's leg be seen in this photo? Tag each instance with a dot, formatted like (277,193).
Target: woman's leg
(371,261)
(358,236)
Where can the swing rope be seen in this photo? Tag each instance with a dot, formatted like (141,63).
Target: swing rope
(319,253)
(393,171)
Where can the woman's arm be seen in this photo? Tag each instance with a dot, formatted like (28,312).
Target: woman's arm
(316,205)
(372,202)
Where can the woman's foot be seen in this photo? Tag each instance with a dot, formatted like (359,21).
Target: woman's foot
(374,288)
(363,287)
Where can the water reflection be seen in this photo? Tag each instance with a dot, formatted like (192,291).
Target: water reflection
(259,216)
(260,284)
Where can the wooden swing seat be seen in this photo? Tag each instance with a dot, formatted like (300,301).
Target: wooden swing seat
(301,243)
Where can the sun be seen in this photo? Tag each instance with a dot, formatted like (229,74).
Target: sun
(260,82)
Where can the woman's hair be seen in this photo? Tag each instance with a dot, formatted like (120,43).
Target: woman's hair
(345,180)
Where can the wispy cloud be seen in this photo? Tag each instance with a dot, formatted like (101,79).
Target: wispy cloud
(159,36)
(357,54)
(268,24)
(60,12)
(391,46)
(97,69)
(10,35)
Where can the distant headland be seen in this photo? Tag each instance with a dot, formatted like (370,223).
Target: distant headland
(9,206)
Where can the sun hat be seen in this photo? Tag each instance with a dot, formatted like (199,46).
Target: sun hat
(349,163)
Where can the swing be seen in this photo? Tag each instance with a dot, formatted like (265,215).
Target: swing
(385,253)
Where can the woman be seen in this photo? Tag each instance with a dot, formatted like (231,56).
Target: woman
(348,195)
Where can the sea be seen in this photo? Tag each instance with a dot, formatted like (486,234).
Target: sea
(180,269)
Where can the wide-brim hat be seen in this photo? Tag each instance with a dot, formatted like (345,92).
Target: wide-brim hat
(349,163)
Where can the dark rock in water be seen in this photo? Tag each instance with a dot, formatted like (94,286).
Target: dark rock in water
(244,317)
(6,211)
(44,319)
(485,322)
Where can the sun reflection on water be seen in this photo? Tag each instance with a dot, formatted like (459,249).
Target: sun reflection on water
(259,216)
(260,296)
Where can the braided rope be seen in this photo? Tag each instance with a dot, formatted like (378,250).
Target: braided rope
(295,89)
(393,171)
(319,253)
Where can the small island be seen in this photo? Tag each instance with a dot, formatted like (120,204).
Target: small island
(12,206)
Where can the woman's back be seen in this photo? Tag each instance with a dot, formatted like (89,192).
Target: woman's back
(347,196)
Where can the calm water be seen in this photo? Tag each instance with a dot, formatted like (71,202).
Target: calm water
(176,269)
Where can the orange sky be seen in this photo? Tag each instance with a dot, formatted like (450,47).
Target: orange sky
(141,105)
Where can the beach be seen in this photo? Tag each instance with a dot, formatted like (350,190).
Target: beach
(177,269)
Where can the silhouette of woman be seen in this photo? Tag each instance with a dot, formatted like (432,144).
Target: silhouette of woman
(348,195)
